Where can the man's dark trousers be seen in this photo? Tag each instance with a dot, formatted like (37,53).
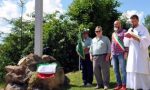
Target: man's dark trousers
(87,70)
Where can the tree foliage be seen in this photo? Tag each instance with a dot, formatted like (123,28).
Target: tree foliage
(59,32)
(147,22)
(60,35)
(11,50)
(95,12)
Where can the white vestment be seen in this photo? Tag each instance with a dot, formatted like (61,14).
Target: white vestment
(138,62)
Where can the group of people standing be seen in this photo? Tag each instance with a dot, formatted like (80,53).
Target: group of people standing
(128,50)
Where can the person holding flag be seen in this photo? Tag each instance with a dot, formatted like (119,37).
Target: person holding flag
(86,64)
(119,55)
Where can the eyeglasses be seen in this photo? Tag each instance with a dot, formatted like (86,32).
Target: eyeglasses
(97,31)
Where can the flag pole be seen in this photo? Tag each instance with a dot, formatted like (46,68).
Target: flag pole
(79,63)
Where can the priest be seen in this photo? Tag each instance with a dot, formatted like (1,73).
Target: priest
(138,64)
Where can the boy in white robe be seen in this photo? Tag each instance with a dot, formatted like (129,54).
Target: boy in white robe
(138,63)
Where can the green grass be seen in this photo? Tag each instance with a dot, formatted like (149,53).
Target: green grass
(2,86)
(76,82)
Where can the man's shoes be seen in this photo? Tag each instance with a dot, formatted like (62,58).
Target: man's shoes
(118,87)
(83,85)
(105,87)
(123,87)
(88,84)
(97,87)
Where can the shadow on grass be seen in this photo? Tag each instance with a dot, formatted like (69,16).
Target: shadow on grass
(112,85)
(68,87)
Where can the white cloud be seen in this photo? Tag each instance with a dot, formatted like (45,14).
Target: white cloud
(29,8)
(129,13)
(49,6)
(10,9)
(6,29)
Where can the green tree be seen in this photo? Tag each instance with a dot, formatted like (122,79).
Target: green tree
(17,41)
(10,48)
(147,22)
(125,21)
(60,34)
(95,12)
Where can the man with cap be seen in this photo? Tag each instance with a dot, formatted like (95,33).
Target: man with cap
(87,68)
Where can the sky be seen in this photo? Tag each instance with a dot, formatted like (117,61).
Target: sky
(138,5)
(10,9)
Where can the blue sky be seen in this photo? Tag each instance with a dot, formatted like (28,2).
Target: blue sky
(66,3)
(138,5)
(130,7)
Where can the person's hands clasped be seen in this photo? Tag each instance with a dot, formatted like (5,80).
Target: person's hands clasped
(128,35)
(107,58)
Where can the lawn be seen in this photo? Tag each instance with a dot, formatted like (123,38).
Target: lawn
(1,86)
(76,82)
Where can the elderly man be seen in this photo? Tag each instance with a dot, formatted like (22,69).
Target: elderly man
(119,54)
(100,54)
(138,64)
(87,71)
